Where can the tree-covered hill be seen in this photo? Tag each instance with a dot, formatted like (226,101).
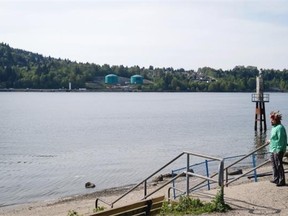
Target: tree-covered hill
(21,69)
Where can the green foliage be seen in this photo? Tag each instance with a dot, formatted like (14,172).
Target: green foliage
(218,203)
(75,213)
(22,69)
(72,213)
(100,208)
(188,205)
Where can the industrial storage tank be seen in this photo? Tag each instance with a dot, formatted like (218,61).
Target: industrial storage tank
(136,79)
(111,79)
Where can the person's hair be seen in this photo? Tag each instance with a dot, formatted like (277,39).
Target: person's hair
(277,116)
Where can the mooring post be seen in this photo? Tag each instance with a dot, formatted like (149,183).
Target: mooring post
(260,98)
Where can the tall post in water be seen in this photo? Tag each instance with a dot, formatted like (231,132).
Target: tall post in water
(260,98)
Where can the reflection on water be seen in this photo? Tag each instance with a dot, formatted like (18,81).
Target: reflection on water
(259,140)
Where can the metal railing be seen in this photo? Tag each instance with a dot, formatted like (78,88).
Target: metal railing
(220,179)
(227,182)
(222,172)
(260,97)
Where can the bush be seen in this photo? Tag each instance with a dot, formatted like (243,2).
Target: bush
(72,213)
(100,208)
(188,205)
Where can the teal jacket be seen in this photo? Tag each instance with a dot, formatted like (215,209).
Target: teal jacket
(278,139)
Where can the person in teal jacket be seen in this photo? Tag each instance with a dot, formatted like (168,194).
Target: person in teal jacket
(277,148)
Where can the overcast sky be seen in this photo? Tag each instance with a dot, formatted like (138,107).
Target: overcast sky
(163,33)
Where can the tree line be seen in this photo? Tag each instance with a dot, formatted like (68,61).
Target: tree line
(23,69)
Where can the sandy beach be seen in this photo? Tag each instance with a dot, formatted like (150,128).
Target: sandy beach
(245,196)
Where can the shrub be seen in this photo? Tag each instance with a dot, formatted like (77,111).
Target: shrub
(188,205)
(100,208)
(72,213)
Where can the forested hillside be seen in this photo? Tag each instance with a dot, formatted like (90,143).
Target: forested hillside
(21,69)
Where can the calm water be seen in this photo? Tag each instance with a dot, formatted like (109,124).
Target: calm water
(51,144)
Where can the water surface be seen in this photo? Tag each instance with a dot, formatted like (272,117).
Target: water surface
(51,144)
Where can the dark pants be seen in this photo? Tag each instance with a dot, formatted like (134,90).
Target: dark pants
(278,169)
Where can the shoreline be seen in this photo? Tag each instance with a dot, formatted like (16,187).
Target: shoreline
(245,196)
(103,192)
(64,204)
(84,204)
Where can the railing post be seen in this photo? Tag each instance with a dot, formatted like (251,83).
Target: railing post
(226,177)
(221,173)
(173,184)
(254,165)
(187,175)
(221,179)
(207,173)
(145,188)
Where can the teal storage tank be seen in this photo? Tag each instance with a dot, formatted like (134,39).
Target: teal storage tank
(111,79)
(136,79)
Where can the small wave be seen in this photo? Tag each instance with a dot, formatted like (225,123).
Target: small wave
(44,156)
(79,176)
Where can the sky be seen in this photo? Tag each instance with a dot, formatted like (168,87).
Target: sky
(187,34)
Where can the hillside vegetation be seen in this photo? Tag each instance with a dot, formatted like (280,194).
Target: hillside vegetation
(21,69)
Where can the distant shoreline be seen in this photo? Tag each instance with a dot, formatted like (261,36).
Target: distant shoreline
(116,90)
(61,90)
